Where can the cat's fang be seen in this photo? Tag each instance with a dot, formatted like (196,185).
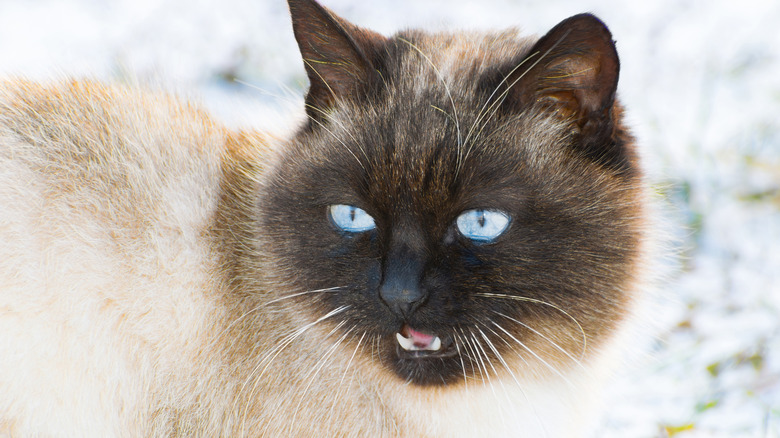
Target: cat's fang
(408,344)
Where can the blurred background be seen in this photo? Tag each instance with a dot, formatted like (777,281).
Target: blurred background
(700,79)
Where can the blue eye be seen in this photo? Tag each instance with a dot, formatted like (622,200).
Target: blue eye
(351,219)
(482,225)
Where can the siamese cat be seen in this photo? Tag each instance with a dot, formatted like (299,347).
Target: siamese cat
(449,246)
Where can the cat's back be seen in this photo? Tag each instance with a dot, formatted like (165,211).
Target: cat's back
(85,141)
(107,195)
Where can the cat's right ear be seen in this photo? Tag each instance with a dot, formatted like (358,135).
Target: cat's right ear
(340,58)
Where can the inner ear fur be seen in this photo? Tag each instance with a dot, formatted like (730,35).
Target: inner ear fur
(340,58)
(573,70)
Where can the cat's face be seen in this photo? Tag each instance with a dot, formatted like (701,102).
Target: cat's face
(459,216)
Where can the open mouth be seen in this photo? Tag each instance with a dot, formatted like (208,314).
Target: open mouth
(413,344)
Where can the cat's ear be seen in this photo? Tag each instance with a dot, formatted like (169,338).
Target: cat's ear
(574,68)
(573,71)
(340,58)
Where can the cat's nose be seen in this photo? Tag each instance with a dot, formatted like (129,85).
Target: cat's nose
(402,300)
(401,290)
(402,271)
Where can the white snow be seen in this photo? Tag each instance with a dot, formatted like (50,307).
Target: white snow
(701,80)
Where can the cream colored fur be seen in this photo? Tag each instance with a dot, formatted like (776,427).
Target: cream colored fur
(107,287)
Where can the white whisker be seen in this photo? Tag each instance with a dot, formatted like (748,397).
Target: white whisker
(483,352)
(498,355)
(377,343)
(349,363)
(511,373)
(534,354)
(271,356)
(260,306)
(541,335)
(286,297)
(455,338)
(480,351)
(500,381)
(544,303)
(314,372)
(473,357)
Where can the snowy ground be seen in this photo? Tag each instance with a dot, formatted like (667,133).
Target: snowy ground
(701,79)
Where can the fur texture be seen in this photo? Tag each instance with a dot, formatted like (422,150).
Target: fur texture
(162,276)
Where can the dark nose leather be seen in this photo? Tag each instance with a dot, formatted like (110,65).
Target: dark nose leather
(401,295)
(400,289)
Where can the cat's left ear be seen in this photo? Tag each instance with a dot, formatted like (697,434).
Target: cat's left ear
(340,58)
(573,70)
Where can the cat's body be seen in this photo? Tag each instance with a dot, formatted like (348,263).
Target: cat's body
(160,275)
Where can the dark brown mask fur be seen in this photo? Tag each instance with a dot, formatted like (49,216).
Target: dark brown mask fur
(415,130)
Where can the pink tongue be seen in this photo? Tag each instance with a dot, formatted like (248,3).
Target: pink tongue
(420,340)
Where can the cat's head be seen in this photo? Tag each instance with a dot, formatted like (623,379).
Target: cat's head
(460,204)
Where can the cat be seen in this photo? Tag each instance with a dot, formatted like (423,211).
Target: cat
(450,245)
